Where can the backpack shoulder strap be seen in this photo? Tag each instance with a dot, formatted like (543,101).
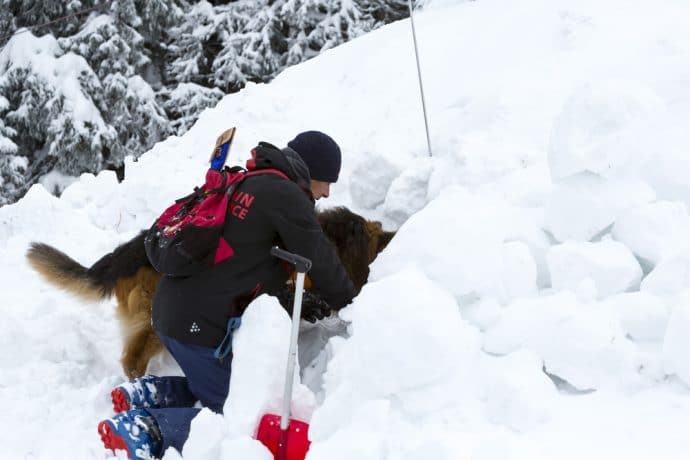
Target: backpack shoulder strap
(245,174)
(266,171)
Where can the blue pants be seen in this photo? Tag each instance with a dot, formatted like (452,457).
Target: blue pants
(207,381)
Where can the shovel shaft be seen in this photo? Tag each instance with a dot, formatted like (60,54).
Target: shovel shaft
(281,454)
(292,356)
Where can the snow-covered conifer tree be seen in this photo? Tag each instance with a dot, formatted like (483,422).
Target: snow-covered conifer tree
(127,102)
(88,82)
(187,59)
(27,105)
(186,102)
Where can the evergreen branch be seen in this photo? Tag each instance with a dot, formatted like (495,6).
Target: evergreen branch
(56,20)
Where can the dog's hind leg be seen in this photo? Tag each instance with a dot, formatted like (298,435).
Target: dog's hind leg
(140,340)
(141,344)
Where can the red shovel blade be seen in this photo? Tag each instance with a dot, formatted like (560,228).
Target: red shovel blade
(296,444)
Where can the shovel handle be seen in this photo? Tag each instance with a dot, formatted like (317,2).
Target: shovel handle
(281,453)
(302,264)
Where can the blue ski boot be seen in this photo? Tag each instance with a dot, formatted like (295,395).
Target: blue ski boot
(135,432)
(140,393)
(152,392)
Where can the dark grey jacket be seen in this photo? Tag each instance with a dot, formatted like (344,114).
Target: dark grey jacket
(266,210)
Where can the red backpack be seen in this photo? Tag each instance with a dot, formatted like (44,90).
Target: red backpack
(188,237)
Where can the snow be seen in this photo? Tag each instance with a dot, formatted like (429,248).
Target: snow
(642,316)
(18,163)
(93,25)
(54,181)
(604,199)
(407,193)
(142,89)
(654,231)
(256,387)
(577,342)
(676,341)
(62,71)
(669,277)
(597,128)
(372,179)
(471,260)
(610,265)
(534,303)
(517,394)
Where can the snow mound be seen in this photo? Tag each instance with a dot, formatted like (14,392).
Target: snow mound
(373,371)
(517,393)
(654,231)
(577,342)
(671,276)
(603,200)
(479,247)
(677,340)
(609,264)
(642,315)
(598,127)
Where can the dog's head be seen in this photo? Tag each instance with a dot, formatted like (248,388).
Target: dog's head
(357,240)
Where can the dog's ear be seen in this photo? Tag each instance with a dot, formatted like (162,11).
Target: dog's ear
(378,238)
(383,241)
(374,228)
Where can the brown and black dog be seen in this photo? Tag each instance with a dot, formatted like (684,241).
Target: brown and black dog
(127,274)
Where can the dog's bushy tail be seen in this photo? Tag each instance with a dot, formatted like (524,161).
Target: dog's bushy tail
(96,282)
(62,271)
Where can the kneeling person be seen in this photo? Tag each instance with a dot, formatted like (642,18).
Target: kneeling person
(195,316)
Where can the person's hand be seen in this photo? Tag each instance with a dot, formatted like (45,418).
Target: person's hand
(314,308)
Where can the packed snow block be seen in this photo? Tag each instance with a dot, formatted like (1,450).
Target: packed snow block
(363,434)
(518,273)
(479,158)
(40,216)
(260,348)
(677,340)
(483,313)
(409,344)
(599,128)
(205,436)
(670,277)
(610,264)
(110,204)
(642,316)
(654,231)
(244,448)
(371,179)
(473,246)
(582,344)
(528,186)
(667,170)
(379,430)
(516,392)
(584,205)
(407,194)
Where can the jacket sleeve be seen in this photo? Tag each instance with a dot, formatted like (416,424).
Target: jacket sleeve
(293,215)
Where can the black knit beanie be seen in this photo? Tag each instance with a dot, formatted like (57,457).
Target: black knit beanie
(321,154)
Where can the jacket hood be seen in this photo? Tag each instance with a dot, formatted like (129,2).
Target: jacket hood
(287,161)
